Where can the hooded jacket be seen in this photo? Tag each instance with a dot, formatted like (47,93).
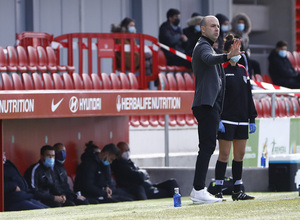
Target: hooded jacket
(192,35)
(243,35)
(222,18)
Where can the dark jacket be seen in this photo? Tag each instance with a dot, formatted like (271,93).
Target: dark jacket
(92,177)
(12,179)
(42,180)
(171,38)
(280,69)
(62,178)
(209,73)
(238,102)
(222,18)
(192,35)
(126,173)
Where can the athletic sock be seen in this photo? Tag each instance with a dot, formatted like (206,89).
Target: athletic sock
(237,168)
(220,175)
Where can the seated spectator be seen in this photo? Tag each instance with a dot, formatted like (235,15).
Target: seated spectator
(62,176)
(136,180)
(193,32)
(281,70)
(93,176)
(42,179)
(170,34)
(17,195)
(224,28)
(127,26)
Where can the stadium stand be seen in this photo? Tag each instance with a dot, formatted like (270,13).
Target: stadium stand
(258,108)
(37,81)
(125,84)
(290,56)
(97,84)
(297,60)
(87,82)
(115,81)
(133,81)
(58,82)
(6,82)
(48,82)
(78,84)
(3,61)
(68,81)
(107,84)
(12,59)
(52,63)
(17,81)
(22,59)
(33,59)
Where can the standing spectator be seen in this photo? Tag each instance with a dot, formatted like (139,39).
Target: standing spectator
(193,32)
(137,181)
(93,176)
(224,28)
(208,100)
(171,34)
(42,179)
(62,176)
(238,111)
(281,70)
(17,195)
(241,28)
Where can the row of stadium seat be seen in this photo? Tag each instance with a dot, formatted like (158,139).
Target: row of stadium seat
(31,60)
(27,81)
(294,58)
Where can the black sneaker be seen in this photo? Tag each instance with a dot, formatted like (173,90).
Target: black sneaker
(241,196)
(220,196)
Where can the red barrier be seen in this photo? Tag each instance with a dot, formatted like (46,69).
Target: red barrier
(106,46)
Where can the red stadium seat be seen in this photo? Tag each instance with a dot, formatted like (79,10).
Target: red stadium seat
(52,63)
(290,56)
(266,107)
(37,81)
(171,81)
(153,120)
(189,119)
(144,120)
(289,107)
(163,83)
(22,59)
(297,60)
(280,107)
(267,78)
(33,60)
(27,81)
(125,84)
(115,82)
(48,82)
(12,59)
(58,82)
(296,106)
(97,84)
(68,81)
(78,84)
(3,61)
(87,82)
(43,60)
(162,61)
(106,81)
(133,81)
(189,82)
(180,81)
(6,82)
(17,81)
(134,120)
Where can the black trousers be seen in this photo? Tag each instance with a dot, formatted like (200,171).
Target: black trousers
(208,123)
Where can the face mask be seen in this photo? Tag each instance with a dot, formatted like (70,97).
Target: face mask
(126,155)
(131,29)
(224,28)
(105,162)
(241,27)
(176,22)
(60,156)
(282,53)
(198,28)
(4,159)
(49,162)
(236,58)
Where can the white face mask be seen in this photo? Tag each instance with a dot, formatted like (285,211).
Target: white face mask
(126,155)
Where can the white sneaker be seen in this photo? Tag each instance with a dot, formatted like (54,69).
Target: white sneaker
(202,196)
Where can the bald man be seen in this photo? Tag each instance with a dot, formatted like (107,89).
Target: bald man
(208,100)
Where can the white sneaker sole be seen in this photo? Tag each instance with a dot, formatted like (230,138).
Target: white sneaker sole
(198,201)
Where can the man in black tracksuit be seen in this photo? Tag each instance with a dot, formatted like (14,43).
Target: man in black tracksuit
(208,100)
(62,176)
(17,195)
(42,180)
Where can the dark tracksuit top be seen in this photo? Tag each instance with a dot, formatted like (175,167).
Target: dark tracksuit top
(238,102)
